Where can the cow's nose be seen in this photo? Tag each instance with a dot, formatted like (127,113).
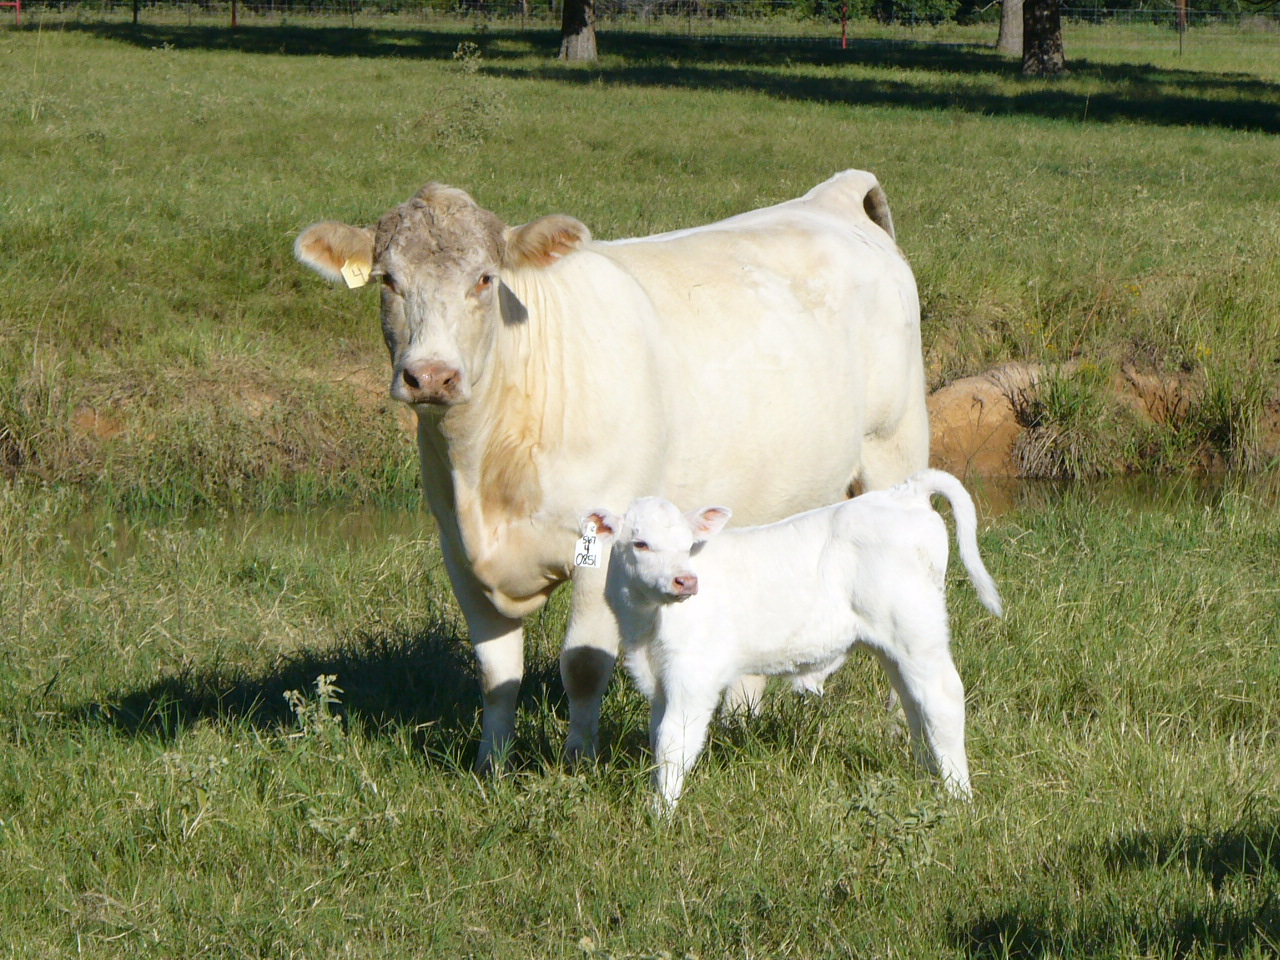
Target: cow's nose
(686,585)
(430,381)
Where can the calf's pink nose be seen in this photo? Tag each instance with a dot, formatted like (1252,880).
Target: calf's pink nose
(686,585)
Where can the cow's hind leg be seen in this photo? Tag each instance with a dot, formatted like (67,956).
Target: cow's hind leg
(890,459)
(586,662)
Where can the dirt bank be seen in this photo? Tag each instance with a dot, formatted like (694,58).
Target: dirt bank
(1001,424)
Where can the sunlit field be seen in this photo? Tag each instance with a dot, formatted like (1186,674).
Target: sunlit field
(208,506)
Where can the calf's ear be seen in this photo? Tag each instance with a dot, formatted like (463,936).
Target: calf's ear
(540,243)
(337,251)
(600,523)
(708,521)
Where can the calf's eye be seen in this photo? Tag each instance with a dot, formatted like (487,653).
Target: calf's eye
(640,544)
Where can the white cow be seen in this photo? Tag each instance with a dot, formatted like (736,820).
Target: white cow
(697,610)
(771,361)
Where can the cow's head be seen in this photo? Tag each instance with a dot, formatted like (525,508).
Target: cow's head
(653,545)
(439,259)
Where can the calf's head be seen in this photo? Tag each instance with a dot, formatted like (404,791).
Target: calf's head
(653,545)
(439,259)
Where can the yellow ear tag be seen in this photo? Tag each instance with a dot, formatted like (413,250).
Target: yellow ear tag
(356,273)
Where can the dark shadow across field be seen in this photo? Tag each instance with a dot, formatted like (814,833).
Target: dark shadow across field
(1121,92)
(422,679)
(425,680)
(1243,921)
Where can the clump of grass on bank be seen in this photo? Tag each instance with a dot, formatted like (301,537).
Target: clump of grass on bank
(160,346)
(160,794)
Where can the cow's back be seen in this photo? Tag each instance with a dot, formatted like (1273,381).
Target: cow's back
(786,335)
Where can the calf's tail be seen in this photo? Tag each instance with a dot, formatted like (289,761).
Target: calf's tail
(931,482)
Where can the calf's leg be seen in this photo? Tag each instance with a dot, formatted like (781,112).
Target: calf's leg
(678,731)
(745,695)
(924,677)
(499,646)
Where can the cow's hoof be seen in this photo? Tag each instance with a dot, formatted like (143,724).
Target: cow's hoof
(579,751)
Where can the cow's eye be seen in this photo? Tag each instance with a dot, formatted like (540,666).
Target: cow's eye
(484,283)
(640,544)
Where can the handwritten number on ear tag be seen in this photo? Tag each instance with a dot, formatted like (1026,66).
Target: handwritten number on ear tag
(588,552)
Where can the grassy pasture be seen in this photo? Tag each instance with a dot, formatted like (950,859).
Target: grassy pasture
(159,349)
(159,796)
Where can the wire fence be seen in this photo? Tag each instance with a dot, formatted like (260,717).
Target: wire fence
(792,20)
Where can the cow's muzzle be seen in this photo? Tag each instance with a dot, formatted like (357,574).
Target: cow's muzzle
(684,586)
(428,381)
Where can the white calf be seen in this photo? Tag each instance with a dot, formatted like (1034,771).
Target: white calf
(698,611)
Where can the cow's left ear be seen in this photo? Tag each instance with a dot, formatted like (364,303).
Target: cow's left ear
(708,521)
(542,242)
(600,523)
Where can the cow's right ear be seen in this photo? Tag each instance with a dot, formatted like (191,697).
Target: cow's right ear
(600,523)
(336,251)
(540,243)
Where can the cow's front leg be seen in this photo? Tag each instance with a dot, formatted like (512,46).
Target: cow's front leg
(586,661)
(499,646)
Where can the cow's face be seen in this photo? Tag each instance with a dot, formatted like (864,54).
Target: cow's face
(654,545)
(439,260)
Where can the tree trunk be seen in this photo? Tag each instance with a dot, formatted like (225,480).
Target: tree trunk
(1042,39)
(578,30)
(1010,42)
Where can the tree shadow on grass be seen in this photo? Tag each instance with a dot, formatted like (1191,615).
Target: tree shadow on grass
(926,76)
(1247,921)
(423,679)
(1125,93)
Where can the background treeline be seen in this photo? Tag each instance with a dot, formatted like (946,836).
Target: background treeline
(888,11)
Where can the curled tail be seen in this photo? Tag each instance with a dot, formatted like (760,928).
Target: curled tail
(927,483)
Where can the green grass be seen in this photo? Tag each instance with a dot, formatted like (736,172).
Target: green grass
(160,347)
(160,351)
(159,796)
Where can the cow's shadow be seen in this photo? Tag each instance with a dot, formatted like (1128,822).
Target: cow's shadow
(420,682)
(925,75)
(1242,921)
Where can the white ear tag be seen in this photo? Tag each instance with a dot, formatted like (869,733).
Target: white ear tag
(587,553)
(356,273)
